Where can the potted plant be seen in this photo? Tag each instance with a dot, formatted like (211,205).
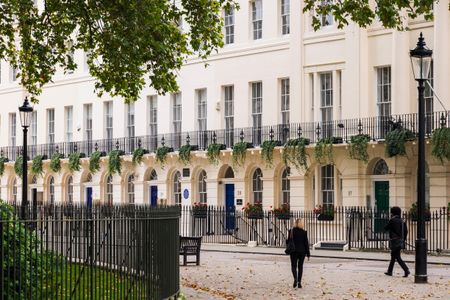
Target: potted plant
(94,162)
(74,161)
(213,153)
(283,212)
(239,151)
(37,165)
(267,148)
(414,215)
(323,152)
(161,154)
(3,160)
(18,166)
(396,140)
(440,144)
(115,162)
(55,162)
(324,213)
(253,211)
(294,153)
(138,154)
(184,153)
(200,210)
(358,147)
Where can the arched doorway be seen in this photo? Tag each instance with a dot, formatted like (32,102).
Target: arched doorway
(380,203)
(226,179)
(151,177)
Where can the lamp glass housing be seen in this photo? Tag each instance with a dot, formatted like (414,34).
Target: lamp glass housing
(421,67)
(25,112)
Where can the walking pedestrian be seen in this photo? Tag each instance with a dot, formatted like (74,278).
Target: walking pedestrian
(397,236)
(300,238)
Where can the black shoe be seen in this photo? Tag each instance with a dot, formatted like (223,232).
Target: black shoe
(406,273)
(388,274)
(299,285)
(295,284)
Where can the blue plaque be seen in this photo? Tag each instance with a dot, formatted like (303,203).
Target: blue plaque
(186,193)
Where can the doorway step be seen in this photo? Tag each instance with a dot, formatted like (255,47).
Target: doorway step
(331,245)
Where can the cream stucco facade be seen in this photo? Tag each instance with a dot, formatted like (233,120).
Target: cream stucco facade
(349,68)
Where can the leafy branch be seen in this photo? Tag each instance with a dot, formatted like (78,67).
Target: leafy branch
(358,147)
(115,162)
(36,165)
(94,162)
(294,153)
(323,151)
(213,153)
(55,162)
(440,144)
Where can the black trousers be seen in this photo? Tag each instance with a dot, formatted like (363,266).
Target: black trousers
(297,260)
(395,256)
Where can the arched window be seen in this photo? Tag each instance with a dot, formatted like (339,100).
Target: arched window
(285,186)
(380,168)
(177,187)
(153,175)
(327,185)
(131,189)
(14,191)
(229,173)
(109,190)
(202,196)
(257,186)
(69,189)
(51,191)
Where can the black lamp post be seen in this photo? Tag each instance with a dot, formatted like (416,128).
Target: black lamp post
(25,112)
(421,62)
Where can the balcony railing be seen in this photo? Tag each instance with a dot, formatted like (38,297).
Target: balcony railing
(375,127)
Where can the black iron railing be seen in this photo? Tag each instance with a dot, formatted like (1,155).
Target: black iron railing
(342,130)
(360,227)
(75,252)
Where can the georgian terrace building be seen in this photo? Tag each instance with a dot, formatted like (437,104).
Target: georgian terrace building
(274,79)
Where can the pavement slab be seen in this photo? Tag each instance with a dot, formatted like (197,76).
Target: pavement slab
(228,275)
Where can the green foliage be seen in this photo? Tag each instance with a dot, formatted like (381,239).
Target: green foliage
(396,140)
(294,153)
(115,162)
(55,162)
(137,156)
(362,12)
(323,152)
(239,151)
(440,144)
(120,57)
(74,162)
(184,154)
(3,160)
(161,155)
(23,259)
(267,148)
(358,147)
(213,153)
(18,166)
(36,165)
(94,162)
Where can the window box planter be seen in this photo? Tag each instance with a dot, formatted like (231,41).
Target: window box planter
(283,215)
(200,212)
(253,211)
(415,218)
(337,140)
(255,215)
(324,217)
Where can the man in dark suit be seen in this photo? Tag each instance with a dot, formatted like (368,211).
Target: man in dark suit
(397,237)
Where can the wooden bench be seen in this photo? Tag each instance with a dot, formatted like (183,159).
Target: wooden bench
(190,246)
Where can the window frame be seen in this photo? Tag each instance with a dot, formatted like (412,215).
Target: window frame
(229,21)
(257,19)
(285,7)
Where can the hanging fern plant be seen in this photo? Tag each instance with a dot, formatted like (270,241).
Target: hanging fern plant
(213,153)
(18,166)
(239,151)
(94,162)
(138,154)
(55,162)
(115,162)
(358,147)
(440,144)
(37,165)
(3,160)
(74,162)
(267,148)
(396,140)
(323,152)
(184,154)
(294,153)
(161,155)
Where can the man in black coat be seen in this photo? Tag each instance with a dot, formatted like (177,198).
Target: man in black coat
(397,237)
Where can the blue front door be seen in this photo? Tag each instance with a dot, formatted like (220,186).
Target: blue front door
(153,195)
(89,197)
(229,207)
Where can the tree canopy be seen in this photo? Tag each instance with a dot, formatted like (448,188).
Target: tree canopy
(126,40)
(391,13)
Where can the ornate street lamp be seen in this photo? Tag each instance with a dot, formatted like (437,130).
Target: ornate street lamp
(421,62)
(25,112)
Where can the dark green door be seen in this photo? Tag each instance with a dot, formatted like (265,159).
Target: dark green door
(381,211)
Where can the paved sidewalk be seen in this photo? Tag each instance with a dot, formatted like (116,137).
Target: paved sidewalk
(237,272)
(352,254)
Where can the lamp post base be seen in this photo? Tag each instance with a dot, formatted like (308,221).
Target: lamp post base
(421,261)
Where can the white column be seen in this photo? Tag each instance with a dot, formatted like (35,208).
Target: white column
(212,191)
(139,193)
(268,193)
(298,199)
